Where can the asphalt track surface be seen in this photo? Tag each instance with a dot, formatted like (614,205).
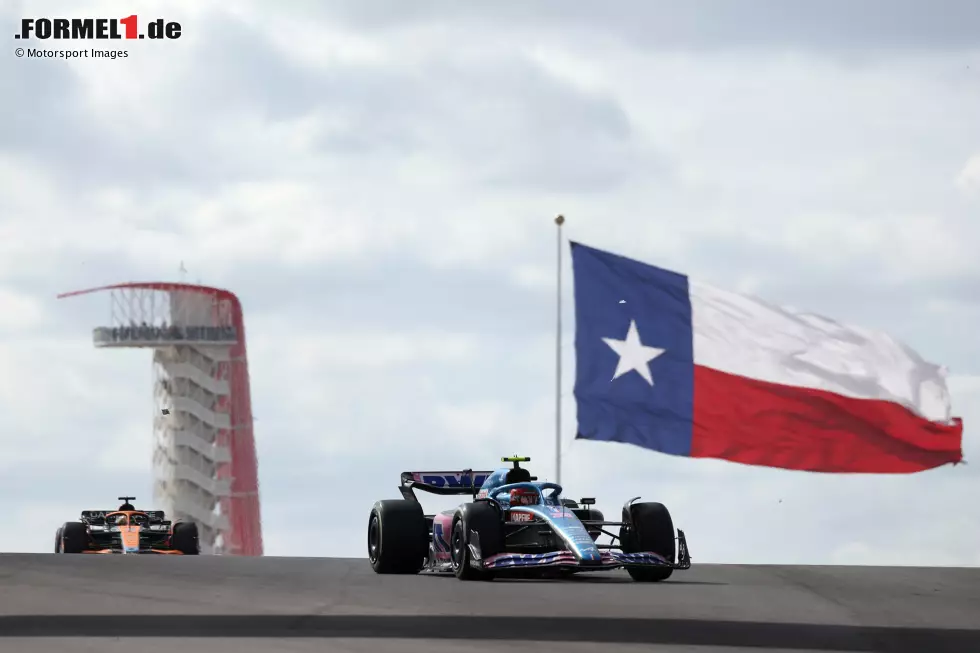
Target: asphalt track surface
(226,604)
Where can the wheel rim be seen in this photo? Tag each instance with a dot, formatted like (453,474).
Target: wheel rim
(374,539)
(457,545)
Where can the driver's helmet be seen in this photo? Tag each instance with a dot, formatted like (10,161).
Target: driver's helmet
(119,520)
(523,496)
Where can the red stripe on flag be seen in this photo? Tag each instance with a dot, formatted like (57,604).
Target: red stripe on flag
(758,423)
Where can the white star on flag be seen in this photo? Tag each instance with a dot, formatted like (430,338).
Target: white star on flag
(633,354)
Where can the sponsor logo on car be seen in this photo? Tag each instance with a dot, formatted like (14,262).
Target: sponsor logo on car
(521,516)
(454,480)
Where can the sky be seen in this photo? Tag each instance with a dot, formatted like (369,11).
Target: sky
(377,181)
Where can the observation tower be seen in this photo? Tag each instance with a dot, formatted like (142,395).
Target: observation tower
(204,459)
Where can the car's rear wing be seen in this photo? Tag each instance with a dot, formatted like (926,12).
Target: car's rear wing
(466,481)
(97,517)
(94,517)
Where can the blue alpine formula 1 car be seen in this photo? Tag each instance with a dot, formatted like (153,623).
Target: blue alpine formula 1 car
(515,525)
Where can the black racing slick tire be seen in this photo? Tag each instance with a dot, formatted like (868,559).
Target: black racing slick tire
(398,537)
(74,537)
(485,520)
(648,527)
(185,538)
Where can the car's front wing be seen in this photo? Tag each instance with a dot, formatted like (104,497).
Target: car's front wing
(610,559)
(140,552)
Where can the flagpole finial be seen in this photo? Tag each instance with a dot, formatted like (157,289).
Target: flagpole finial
(560,220)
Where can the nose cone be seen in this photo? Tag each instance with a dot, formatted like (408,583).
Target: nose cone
(130,539)
(575,534)
(588,552)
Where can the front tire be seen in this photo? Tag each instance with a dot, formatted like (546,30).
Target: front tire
(74,537)
(185,538)
(461,555)
(398,537)
(648,527)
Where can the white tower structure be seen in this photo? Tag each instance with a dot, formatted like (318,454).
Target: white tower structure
(204,459)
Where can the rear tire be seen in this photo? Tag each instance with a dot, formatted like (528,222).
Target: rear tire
(185,538)
(74,537)
(648,527)
(398,537)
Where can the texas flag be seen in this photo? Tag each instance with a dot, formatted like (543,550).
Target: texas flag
(680,367)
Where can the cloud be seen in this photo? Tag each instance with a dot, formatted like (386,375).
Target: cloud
(968,180)
(19,311)
(661,25)
(62,399)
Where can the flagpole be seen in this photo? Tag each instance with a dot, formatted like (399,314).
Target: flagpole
(558,221)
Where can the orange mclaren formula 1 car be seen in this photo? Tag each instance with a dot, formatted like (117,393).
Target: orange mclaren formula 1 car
(126,530)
